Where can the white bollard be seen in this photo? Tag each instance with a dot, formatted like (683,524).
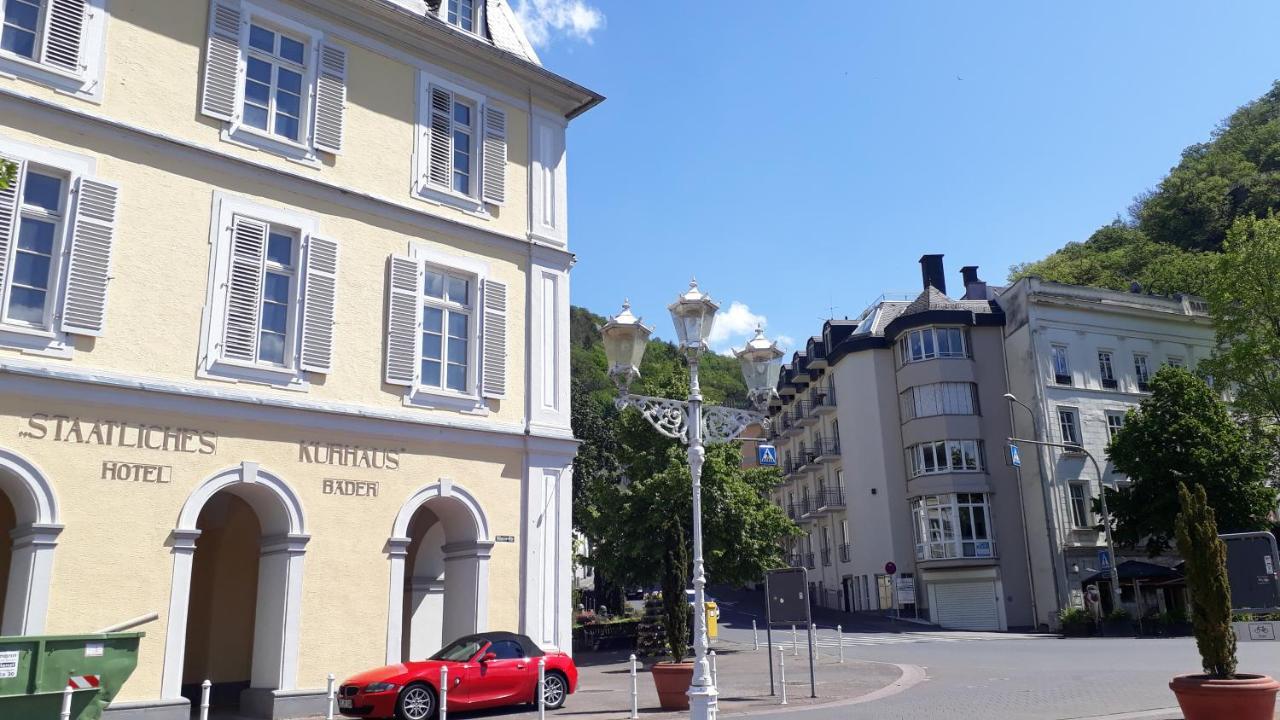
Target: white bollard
(66,702)
(715,676)
(795,645)
(542,688)
(329,694)
(782,671)
(840,639)
(635,691)
(755,637)
(443,712)
(206,687)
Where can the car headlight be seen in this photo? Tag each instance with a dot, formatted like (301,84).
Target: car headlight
(379,687)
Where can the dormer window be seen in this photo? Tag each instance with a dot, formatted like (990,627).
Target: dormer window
(462,14)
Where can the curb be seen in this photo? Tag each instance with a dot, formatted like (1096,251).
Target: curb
(911,676)
(1162,714)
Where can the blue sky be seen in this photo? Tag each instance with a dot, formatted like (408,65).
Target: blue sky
(804,154)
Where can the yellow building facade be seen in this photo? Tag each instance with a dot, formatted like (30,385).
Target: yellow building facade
(284,293)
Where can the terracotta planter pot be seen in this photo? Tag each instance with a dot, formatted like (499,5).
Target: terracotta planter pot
(671,680)
(1247,697)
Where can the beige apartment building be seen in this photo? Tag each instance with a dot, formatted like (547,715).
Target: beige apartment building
(891,430)
(284,294)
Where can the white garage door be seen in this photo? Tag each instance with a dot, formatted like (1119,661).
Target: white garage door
(966,605)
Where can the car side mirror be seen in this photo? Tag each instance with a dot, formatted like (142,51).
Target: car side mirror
(488,656)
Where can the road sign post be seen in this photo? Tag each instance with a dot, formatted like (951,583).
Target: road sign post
(787,595)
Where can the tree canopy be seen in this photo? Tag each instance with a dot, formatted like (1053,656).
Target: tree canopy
(1183,433)
(1163,242)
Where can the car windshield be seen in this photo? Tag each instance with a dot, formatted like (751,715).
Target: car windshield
(459,650)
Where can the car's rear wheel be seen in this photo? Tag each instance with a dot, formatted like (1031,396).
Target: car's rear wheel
(416,702)
(555,690)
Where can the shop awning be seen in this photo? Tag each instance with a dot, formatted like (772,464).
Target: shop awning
(1137,570)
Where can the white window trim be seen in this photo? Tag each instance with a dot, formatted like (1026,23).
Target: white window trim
(1078,440)
(1086,486)
(50,342)
(212,367)
(904,345)
(470,402)
(237,133)
(86,84)
(481,21)
(423,189)
(915,458)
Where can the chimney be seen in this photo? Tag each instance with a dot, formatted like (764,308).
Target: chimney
(931,273)
(974,289)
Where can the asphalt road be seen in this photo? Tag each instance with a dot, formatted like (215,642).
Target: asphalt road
(981,676)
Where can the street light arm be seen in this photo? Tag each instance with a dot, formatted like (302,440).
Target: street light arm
(671,418)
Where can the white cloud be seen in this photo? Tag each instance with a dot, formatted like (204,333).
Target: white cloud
(786,342)
(544,20)
(734,327)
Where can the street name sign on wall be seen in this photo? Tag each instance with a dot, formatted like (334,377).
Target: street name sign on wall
(767,455)
(1253,565)
(788,596)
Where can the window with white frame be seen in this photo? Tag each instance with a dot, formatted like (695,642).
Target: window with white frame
(1115,421)
(1176,361)
(1069,426)
(446,331)
(54,42)
(1080,513)
(272,296)
(463,14)
(1106,370)
(945,456)
(57,226)
(952,526)
(1142,371)
(950,398)
(1061,365)
(929,343)
(291,99)
(462,148)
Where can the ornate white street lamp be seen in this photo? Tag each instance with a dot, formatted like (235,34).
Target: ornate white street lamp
(625,339)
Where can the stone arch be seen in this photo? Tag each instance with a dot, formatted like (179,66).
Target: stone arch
(275,638)
(459,594)
(34,536)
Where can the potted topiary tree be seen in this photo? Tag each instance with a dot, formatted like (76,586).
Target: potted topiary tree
(1220,692)
(672,678)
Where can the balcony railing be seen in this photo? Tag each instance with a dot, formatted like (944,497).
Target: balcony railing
(956,549)
(793,560)
(803,415)
(808,561)
(826,449)
(795,510)
(825,501)
(826,557)
(824,399)
(845,549)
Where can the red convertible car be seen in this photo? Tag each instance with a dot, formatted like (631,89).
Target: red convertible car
(485,670)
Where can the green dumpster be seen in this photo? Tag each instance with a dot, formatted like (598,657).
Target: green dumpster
(34,670)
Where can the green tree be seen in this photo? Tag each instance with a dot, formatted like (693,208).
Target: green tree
(1244,298)
(1184,433)
(8,174)
(1206,557)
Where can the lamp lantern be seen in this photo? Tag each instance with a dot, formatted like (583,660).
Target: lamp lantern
(693,314)
(760,361)
(625,339)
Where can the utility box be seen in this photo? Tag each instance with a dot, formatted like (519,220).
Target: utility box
(1253,569)
(35,670)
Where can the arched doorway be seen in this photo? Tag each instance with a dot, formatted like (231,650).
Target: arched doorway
(28,533)
(439,554)
(221,608)
(236,591)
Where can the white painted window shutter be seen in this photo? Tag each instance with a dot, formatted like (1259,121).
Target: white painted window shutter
(8,217)
(493,381)
(84,309)
(404,320)
(222,61)
(244,289)
(440,138)
(495,155)
(331,98)
(65,34)
(319,305)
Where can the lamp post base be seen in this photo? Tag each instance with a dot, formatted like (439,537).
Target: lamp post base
(703,703)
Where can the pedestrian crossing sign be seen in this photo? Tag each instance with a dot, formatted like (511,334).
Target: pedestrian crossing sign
(1014,457)
(767,455)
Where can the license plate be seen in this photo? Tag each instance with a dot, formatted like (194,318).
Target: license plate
(344,703)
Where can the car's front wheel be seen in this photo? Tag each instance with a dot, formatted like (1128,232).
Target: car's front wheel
(416,702)
(554,690)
